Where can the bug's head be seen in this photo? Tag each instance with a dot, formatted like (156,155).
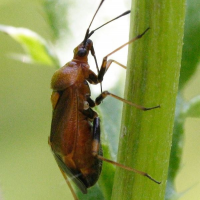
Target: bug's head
(81,51)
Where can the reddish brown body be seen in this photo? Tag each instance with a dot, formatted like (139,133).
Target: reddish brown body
(71,136)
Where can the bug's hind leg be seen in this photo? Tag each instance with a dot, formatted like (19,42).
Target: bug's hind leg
(96,149)
(96,136)
(104,94)
(128,168)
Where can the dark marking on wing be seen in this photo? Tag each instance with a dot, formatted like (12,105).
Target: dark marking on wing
(70,174)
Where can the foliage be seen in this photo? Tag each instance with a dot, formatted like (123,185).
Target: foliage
(38,50)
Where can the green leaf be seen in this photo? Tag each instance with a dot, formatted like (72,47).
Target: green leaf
(36,48)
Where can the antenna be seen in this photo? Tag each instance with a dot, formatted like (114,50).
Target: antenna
(87,31)
(123,14)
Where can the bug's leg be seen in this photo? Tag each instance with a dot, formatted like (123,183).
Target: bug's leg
(96,146)
(94,55)
(96,136)
(90,102)
(105,65)
(93,78)
(109,62)
(104,94)
(128,168)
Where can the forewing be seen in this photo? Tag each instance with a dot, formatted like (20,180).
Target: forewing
(70,174)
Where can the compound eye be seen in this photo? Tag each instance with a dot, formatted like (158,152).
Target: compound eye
(82,52)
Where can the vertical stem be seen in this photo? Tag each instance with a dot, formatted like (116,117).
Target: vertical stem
(152,79)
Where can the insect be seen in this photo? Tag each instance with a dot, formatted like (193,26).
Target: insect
(75,129)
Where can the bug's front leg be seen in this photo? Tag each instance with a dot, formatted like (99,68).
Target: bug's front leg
(94,79)
(104,67)
(106,63)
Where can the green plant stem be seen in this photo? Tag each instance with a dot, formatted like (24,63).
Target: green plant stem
(152,79)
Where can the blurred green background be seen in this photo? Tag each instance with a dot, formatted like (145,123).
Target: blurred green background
(28,169)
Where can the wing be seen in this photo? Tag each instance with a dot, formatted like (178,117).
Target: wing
(70,174)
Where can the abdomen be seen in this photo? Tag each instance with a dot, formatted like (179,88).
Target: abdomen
(71,138)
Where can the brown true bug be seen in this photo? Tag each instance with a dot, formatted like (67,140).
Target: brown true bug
(75,129)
